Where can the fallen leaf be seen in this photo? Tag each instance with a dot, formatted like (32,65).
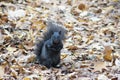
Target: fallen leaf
(69,25)
(38,24)
(72,47)
(82,6)
(26,78)
(116,78)
(63,56)
(90,38)
(99,65)
(11,49)
(69,2)
(14,73)
(3,19)
(108,53)
(102,77)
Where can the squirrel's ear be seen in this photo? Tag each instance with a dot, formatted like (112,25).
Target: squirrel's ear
(59,32)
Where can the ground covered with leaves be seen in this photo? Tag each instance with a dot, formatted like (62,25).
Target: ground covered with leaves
(91,50)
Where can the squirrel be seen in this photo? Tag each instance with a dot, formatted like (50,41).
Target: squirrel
(48,49)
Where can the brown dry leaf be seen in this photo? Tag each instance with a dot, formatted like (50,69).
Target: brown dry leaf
(28,45)
(82,6)
(108,53)
(2,71)
(14,73)
(9,34)
(89,38)
(69,26)
(7,38)
(63,56)
(19,68)
(38,24)
(82,20)
(72,47)
(84,66)
(30,59)
(3,19)
(99,65)
(69,2)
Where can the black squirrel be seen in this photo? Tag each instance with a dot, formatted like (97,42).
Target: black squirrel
(48,49)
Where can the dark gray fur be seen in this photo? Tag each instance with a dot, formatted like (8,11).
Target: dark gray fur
(48,49)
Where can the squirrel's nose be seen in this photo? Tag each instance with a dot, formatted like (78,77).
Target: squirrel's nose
(56,41)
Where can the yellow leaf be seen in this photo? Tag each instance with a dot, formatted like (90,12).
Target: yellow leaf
(69,26)
(108,53)
(26,78)
(63,56)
